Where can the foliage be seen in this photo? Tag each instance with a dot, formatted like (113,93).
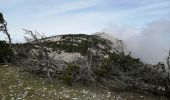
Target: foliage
(125,63)
(5,52)
(71,71)
(78,43)
(103,71)
(23,49)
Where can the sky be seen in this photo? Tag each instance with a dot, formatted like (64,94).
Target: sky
(143,24)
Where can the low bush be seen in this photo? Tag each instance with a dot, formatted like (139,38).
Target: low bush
(6,52)
(70,74)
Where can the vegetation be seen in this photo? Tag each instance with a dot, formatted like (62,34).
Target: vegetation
(78,43)
(101,61)
(20,85)
(71,72)
(6,52)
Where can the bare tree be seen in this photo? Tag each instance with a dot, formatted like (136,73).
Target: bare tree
(39,55)
(120,46)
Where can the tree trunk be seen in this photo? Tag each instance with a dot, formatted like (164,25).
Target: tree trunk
(5,30)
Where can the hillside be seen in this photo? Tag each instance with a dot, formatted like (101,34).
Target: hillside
(77,45)
(93,60)
(18,85)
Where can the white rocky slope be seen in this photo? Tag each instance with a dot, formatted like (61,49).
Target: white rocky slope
(69,57)
(66,56)
(106,36)
(116,43)
(101,34)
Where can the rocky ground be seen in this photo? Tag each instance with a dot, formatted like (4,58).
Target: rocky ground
(19,85)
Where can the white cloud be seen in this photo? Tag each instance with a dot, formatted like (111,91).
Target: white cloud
(122,32)
(150,43)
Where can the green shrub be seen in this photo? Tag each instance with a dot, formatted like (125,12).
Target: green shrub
(72,67)
(67,79)
(6,52)
(103,71)
(70,71)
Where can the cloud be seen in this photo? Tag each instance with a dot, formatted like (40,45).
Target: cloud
(151,43)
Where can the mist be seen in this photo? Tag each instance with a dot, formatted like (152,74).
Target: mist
(151,43)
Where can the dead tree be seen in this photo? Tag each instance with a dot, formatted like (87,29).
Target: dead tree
(120,46)
(39,55)
(85,73)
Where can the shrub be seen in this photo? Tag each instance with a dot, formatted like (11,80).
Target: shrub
(6,52)
(103,71)
(71,71)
